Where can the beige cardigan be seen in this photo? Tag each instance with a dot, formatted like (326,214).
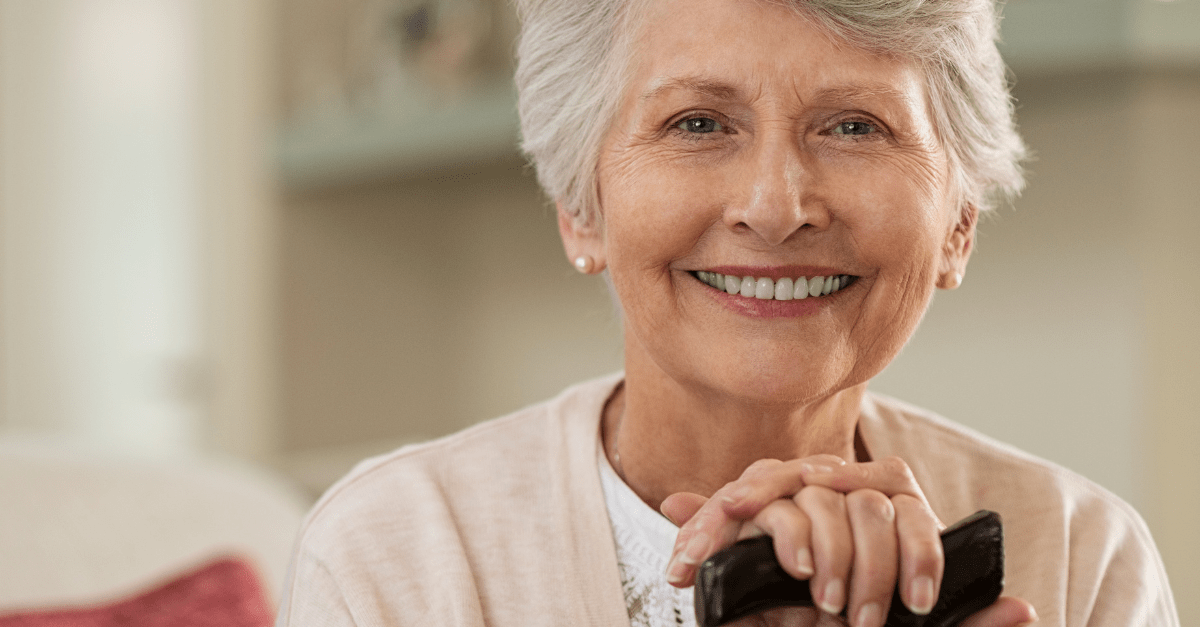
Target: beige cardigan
(505,524)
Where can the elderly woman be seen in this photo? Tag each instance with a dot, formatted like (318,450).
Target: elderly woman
(775,190)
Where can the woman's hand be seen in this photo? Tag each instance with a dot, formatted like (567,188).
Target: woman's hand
(828,519)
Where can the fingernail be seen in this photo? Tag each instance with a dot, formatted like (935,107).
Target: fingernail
(804,563)
(737,494)
(815,469)
(675,571)
(696,547)
(831,600)
(869,615)
(920,595)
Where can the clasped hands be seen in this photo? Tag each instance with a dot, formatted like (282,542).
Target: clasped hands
(852,529)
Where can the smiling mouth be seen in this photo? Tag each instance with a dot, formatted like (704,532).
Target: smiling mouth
(764,288)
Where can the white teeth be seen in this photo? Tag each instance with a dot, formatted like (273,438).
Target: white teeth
(764,289)
(801,289)
(786,288)
(815,284)
(783,289)
(748,285)
(733,285)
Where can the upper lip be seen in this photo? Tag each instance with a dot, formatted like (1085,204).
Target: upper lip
(776,272)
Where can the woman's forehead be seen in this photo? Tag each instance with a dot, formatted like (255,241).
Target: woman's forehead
(739,50)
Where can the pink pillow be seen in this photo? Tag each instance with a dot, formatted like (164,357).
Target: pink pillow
(223,593)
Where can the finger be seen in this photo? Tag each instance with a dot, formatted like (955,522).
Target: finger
(921,559)
(876,556)
(713,528)
(709,529)
(1005,612)
(890,475)
(706,532)
(767,480)
(832,545)
(749,530)
(790,531)
(681,506)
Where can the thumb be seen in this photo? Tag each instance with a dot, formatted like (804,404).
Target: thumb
(681,506)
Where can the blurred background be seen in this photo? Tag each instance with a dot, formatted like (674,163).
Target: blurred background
(290,234)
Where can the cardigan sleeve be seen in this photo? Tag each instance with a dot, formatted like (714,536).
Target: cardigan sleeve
(312,597)
(1128,583)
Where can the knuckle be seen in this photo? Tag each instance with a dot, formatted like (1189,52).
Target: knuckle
(791,516)
(760,466)
(915,510)
(825,458)
(896,467)
(749,531)
(819,496)
(926,554)
(727,488)
(872,505)
(877,574)
(774,519)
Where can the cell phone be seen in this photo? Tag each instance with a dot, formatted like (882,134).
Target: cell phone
(746,579)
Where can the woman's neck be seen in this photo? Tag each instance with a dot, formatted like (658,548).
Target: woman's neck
(662,438)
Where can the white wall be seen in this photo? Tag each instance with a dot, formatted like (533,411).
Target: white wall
(136,203)
(102,299)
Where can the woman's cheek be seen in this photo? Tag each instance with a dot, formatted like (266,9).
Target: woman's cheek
(667,220)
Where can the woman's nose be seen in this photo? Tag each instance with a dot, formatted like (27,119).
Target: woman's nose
(776,203)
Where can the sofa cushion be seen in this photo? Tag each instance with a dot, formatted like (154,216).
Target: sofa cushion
(223,593)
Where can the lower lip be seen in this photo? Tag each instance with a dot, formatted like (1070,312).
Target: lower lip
(770,308)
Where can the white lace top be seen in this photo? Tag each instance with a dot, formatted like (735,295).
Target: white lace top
(644,539)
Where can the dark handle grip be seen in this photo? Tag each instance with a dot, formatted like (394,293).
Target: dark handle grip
(746,579)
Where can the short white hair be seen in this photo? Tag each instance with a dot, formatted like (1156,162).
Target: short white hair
(573,63)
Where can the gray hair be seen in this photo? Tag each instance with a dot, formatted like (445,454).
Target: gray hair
(573,62)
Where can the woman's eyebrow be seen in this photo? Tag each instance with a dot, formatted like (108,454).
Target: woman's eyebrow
(703,86)
(722,90)
(863,92)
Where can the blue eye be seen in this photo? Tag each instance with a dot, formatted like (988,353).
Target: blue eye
(854,128)
(700,125)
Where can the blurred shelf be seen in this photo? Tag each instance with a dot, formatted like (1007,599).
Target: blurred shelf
(424,141)
(1066,36)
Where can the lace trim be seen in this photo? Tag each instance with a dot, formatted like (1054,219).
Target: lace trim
(644,540)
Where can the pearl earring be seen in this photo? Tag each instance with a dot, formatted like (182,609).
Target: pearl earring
(584,264)
(955,282)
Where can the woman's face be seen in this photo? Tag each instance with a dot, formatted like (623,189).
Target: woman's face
(751,144)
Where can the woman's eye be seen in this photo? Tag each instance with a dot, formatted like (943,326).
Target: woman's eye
(700,125)
(854,128)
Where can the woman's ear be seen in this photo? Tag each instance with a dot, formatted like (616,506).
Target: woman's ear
(957,249)
(584,243)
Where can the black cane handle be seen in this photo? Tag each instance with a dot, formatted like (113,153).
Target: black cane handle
(746,579)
